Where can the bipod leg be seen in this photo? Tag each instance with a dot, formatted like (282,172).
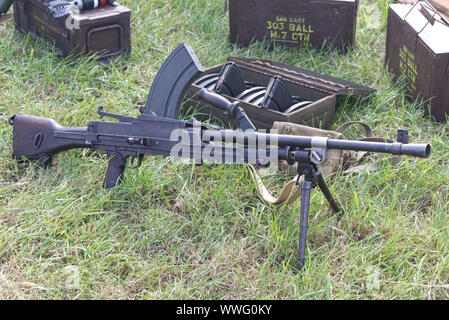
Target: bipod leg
(306,188)
(327,193)
(312,178)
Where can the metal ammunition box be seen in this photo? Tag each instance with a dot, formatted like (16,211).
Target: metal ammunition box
(418,49)
(294,23)
(324,91)
(104,31)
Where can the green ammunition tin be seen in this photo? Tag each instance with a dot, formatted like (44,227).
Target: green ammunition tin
(104,31)
(294,23)
(418,49)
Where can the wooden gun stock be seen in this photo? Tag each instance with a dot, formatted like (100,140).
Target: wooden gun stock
(37,138)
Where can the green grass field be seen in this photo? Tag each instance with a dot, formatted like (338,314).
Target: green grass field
(176,231)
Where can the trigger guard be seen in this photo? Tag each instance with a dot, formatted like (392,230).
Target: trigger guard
(130,163)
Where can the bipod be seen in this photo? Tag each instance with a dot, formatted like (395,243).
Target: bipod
(312,179)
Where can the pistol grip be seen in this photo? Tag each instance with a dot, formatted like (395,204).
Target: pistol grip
(117,163)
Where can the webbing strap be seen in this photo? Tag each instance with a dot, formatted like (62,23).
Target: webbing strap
(288,195)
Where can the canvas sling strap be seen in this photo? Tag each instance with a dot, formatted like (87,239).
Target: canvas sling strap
(342,161)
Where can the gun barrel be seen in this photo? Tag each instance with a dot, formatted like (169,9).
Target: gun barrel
(421,150)
(305,142)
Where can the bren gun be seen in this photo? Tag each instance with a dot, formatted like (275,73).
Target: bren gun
(130,139)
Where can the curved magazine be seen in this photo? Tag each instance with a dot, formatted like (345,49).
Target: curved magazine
(172,81)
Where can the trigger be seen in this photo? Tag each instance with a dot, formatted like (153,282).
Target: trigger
(132,163)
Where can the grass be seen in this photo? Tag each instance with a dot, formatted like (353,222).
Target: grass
(176,231)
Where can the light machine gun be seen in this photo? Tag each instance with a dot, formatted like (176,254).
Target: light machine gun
(130,139)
